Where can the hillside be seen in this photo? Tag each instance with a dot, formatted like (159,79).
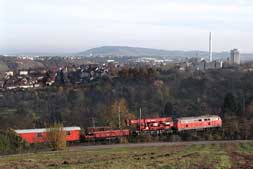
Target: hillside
(123,51)
(190,94)
(136,51)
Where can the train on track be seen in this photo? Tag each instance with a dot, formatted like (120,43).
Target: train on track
(134,127)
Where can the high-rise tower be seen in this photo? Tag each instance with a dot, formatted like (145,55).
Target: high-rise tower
(210,48)
(235,57)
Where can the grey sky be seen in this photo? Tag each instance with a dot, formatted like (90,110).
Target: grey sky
(76,25)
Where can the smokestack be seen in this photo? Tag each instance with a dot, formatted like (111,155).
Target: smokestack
(210,48)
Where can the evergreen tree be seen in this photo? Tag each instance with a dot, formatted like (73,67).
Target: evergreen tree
(168,110)
(59,79)
(229,106)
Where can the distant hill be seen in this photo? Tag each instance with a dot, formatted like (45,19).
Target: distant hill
(137,51)
(123,51)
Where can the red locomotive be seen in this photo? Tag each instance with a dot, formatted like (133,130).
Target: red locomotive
(201,122)
(147,125)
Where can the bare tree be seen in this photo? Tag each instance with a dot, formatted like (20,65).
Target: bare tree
(56,136)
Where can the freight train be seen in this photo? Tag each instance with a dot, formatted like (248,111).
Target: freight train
(158,125)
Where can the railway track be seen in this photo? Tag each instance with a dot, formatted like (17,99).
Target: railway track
(155,144)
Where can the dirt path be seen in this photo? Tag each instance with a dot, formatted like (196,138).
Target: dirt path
(239,159)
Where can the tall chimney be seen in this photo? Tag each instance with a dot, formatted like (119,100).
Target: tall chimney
(210,48)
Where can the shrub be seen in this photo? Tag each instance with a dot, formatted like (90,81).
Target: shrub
(123,140)
(10,142)
(56,137)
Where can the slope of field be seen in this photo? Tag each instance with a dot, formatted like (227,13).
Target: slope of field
(28,64)
(3,66)
(217,156)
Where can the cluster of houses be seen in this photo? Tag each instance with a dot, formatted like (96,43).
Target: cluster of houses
(86,73)
(27,79)
(70,74)
(200,65)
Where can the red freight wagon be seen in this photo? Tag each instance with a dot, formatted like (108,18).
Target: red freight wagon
(39,135)
(152,124)
(188,123)
(106,134)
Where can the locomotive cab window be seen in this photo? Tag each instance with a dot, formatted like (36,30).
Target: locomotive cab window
(67,133)
(39,135)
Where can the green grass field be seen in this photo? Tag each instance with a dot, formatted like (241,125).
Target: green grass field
(217,156)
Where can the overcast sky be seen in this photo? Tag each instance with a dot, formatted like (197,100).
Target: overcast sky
(76,25)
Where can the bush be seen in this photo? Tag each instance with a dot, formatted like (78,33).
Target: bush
(175,138)
(10,142)
(123,140)
(56,137)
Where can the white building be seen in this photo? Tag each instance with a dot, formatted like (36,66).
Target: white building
(235,56)
(23,72)
(9,73)
(210,48)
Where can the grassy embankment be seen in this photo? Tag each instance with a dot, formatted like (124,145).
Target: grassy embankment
(217,156)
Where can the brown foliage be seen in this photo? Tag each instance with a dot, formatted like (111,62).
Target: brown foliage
(56,137)
(118,113)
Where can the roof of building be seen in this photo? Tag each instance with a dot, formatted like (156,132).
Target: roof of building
(41,130)
(184,119)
